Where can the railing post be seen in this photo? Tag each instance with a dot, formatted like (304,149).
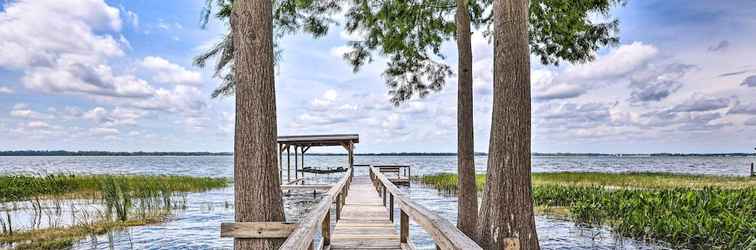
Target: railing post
(403,227)
(391,207)
(326,229)
(384,195)
(338,207)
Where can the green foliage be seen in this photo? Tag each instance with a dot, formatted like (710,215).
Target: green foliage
(289,17)
(17,188)
(410,33)
(692,218)
(563,30)
(689,211)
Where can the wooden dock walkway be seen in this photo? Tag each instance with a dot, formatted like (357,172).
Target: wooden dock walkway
(364,222)
(364,210)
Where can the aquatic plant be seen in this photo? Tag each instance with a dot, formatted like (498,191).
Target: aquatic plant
(127,201)
(448,181)
(691,218)
(695,212)
(20,187)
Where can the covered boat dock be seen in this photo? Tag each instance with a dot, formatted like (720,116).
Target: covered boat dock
(302,143)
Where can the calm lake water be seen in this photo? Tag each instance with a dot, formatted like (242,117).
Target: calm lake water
(198,226)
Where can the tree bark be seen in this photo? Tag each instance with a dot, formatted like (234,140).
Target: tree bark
(507,207)
(467,200)
(257,192)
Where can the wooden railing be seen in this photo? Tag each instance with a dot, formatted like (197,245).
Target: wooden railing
(445,234)
(320,216)
(399,170)
(300,235)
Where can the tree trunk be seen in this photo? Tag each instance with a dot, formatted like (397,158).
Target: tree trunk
(467,202)
(257,194)
(507,207)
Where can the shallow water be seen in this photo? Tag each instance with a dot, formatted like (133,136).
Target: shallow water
(197,226)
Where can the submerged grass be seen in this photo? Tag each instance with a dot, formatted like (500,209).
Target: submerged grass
(126,200)
(61,238)
(687,211)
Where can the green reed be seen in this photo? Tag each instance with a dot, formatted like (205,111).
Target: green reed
(127,201)
(686,211)
(17,188)
(648,180)
(689,218)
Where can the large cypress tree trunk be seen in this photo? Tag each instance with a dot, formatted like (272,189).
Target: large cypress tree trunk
(467,202)
(507,209)
(257,194)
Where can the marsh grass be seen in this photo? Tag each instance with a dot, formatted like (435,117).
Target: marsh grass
(19,187)
(126,201)
(61,238)
(643,180)
(686,211)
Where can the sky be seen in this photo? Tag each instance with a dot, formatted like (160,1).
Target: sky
(117,76)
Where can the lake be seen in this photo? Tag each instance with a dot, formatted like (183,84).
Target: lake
(197,226)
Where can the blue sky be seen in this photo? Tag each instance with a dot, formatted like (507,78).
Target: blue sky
(117,75)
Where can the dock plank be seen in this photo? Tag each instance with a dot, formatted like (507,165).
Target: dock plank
(364,222)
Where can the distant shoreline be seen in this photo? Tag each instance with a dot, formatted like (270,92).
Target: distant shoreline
(139,153)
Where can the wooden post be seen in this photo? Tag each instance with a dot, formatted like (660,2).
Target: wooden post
(403,227)
(326,230)
(296,157)
(338,207)
(391,207)
(303,150)
(280,161)
(288,164)
(752,173)
(384,196)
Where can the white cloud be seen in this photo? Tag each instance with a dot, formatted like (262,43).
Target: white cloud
(133,18)
(325,101)
(167,72)
(22,110)
(339,52)
(186,99)
(63,47)
(97,114)
(38,125)
(546,87)
(104,132)
(71,76)
(33,33)
(6,90)
(618,62)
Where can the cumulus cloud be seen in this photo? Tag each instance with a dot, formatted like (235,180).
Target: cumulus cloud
(38,125)
(750,122)
(657,83)
(167,72)
(619,62)
(749,81)
(181,99)
(546,87)
(743,108)
(22,110)
(104,131)
(66,56)
(6,90)
(701,103)
(720,46)
(571,115)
